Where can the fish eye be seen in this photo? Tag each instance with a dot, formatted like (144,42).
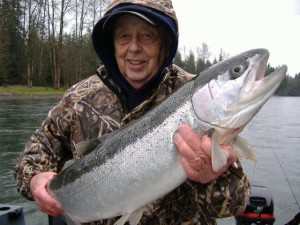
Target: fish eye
(237,71)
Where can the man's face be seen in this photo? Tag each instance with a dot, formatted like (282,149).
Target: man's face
(138,49)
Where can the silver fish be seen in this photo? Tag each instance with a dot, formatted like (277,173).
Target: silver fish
(139,163)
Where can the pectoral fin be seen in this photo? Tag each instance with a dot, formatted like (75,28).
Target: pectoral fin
(243,149)
(218,155)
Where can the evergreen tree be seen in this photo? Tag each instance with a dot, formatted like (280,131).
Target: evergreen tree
(200,65)
(11,39)
(294,85)
(208,63)
(223,55)
(190,63)
(269,69)
(178,60)
(215,61)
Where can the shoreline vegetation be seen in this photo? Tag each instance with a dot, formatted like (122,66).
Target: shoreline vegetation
(24,92)
(37,92)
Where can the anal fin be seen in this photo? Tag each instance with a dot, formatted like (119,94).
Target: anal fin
(133,218)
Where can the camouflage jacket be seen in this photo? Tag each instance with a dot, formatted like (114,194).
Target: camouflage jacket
(90,109)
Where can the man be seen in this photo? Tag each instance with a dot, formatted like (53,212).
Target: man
(136,42)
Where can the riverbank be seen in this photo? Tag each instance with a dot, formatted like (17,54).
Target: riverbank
(9,96)
(24,92)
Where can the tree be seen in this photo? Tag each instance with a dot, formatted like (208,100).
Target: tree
(203,55)
(190,63)
(33,22)
(81,59)
(200,65)
(294,85)
(11,42)
(203,52)
(178,60)
(48,42)
(97,9)
(223,55)
(86,14)
(269,69)
(56,17)
(65,5)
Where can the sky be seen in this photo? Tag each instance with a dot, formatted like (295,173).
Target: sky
(239,25)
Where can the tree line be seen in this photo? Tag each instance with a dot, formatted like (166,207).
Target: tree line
(199,60)
(48,43)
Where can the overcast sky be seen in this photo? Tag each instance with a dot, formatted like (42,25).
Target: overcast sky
(240,25)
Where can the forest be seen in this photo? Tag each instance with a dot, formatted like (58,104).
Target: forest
(48,43)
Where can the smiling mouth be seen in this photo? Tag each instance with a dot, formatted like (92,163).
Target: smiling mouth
(136,62)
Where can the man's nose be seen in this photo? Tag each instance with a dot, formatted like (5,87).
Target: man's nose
(134,44)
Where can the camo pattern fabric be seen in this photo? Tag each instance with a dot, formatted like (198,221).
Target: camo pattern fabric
(164,6)
(91,102)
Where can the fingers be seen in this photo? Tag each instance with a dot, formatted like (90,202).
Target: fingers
(38,187)
(196,175)
(195,152)
(189,146)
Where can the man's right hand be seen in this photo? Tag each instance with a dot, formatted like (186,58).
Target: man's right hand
(38,187)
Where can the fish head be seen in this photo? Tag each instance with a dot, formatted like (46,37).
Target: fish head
(230,93)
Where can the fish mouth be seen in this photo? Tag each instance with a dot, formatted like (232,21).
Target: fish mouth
(257,89)
(261,68)
(257,70)
(258,85)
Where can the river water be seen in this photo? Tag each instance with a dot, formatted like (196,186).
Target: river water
(274,133)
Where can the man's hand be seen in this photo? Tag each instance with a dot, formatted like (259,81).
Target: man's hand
(38,187)
(195,152)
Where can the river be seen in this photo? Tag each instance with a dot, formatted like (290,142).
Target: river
(274,133)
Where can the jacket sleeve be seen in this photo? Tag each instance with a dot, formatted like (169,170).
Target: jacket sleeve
(46,150)
(227,195)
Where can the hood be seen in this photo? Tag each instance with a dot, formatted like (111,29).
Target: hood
(162,13)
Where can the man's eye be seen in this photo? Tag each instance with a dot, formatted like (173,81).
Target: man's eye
(123,38)
(147,38)
(124,35)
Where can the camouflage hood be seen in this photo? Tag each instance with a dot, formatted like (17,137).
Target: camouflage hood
(162,6)
(160,11)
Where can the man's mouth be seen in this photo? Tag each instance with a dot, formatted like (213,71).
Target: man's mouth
(136,62)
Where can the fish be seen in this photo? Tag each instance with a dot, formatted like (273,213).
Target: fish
(124,171)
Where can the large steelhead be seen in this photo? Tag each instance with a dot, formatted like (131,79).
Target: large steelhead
(139,163)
